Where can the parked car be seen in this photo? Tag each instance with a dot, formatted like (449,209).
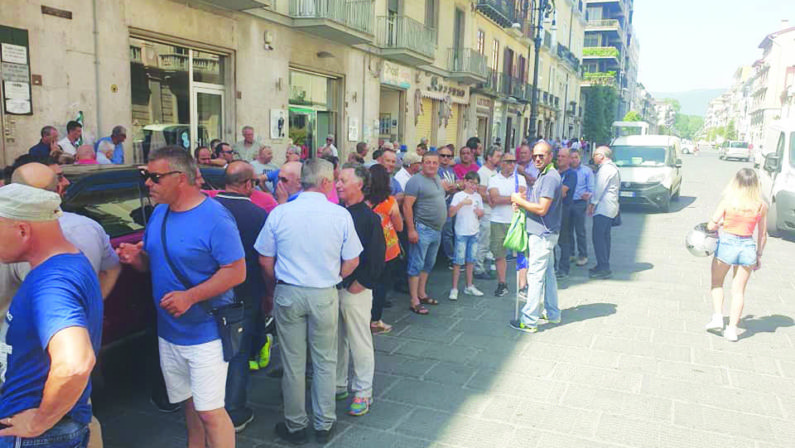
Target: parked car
(650,169)
(737,150)
(688,148)
(777,176)
(115,197)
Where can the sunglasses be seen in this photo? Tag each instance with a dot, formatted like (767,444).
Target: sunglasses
(446,156)
(538,156)
(155,177)
(509,161)
(227,152)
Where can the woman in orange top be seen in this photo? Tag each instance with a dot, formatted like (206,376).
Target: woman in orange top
(742,210)
(386,207)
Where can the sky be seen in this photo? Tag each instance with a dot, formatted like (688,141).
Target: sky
(698,44)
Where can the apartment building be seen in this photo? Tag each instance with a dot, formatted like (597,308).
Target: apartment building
(186,72)
(611,52)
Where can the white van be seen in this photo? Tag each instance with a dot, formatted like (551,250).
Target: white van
(777,176)
(650,169)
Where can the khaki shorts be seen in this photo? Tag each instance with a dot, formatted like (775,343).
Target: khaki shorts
(498,233)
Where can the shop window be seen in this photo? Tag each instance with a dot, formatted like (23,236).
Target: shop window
(314,110)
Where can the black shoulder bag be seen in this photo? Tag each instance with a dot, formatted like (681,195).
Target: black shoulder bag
(229,318)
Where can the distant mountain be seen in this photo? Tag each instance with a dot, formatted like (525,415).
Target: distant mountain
(694,102)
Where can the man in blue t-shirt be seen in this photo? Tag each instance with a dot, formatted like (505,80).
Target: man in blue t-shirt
(569,185)
(204,246)
(544,211)
(50,335)
(117,137)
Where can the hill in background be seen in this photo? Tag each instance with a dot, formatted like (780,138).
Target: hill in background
(693,102)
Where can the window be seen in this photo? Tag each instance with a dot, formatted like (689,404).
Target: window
(792,149)
(117,210)
(480,45)
(495,54)
(430,14)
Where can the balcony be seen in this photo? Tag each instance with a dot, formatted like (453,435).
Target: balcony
(346,21)
(593,53)
(604,25)
(501,11)
(491,85)
(467,66)
(568,57)
(175,62)
(406,40)
(512,86)
(600,78)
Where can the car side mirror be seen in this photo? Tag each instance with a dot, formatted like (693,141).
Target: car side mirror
(679,163)
(772,163)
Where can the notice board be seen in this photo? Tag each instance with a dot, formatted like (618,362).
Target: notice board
(15,71)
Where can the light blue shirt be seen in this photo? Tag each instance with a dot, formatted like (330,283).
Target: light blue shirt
(309,237)
(585,182)
(118,151)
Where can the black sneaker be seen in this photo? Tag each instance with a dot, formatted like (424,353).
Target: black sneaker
(296,438)
(163,405)
(502,290)
(601,275)
(241,418)
(323,436)
(560,275)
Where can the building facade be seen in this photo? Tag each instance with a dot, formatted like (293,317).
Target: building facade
(772,84)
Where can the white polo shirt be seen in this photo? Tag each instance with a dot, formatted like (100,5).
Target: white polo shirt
(67,147)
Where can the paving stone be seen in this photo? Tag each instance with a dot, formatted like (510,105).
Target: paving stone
(402,365)
(538,415)
(456,430)
(450,373)
(724,421)
(437,396)
(594,376)
(618,403)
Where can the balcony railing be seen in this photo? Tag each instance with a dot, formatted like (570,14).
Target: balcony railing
(354,14)
(600,52)
(174,61)
(467,65)
(492,83)
(405,33)
(501,11)
(605,23)
(605,78)
(512,86)
(567,56)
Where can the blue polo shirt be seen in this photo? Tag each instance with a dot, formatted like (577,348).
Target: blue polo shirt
(40,149)
(547,185)
(585,182)
(200,241)
(569,179)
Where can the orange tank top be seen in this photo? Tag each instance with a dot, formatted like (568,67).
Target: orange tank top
(390,236)
(740,222)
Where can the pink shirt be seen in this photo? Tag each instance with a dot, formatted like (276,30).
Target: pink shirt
(259,198)
(461,170)
(87,162)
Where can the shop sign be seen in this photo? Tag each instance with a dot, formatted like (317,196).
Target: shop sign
(14,53)
(439,86)
(485,102)
(396,75)
(15,71)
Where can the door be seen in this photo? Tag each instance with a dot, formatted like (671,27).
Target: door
(302,129)
(207,112)
(425,122)
(324,128)
(458,33)
(508,133)
(451,132)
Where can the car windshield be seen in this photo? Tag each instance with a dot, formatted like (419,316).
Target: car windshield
(118,211)
(738,145)
(639,155)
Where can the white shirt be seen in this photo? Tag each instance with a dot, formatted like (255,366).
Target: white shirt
(505,186)
(605,195)
(486,174)
(466,221)
(67,147)
(403,177)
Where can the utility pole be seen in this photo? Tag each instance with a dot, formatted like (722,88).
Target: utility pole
(540,9)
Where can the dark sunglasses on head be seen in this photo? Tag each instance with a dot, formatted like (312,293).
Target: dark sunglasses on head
(538,156)
(145,175)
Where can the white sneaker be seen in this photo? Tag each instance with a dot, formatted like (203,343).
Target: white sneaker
(471,290)
(453,294)
(716,323)
(730,333)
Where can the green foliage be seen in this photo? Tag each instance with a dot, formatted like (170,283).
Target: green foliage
(599,75)
(673,102)
(601,51)
(600,112)
(632,116)
(731,131)
(687,126)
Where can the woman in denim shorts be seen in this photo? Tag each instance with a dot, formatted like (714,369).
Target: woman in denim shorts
(741,211)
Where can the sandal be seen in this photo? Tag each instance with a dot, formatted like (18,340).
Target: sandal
(428,301)
(419,309)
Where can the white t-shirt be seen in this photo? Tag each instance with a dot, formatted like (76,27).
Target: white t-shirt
(486,174)
(466,221)
(506,186)
(67,147)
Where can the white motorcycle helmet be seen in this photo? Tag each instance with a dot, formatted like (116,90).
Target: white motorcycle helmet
(701,242)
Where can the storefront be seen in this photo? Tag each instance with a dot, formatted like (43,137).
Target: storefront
(179,95)
(440,117)
(484,111)
(395,82)
(313,110)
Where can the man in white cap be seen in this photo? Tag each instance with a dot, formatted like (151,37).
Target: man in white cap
(50,336)
(412,163)
(329,149)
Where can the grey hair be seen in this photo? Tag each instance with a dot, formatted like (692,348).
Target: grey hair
(608,153)
(293,149)
(263,147)
(47,130)
(178,160)
(246,128)
(118,130)
(361,173)
(492,149)
(314,171)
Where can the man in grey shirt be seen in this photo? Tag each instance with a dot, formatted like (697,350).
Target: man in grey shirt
(544,211)
(425,211)
(247,148)
(604,209)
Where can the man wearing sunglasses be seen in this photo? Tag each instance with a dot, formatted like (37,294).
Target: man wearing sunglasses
(225,152)
(501,187)
(544,211)
(201,247)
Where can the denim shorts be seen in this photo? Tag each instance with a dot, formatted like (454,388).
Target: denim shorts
(422,256)
(736,250)
(466,249)
(65,434)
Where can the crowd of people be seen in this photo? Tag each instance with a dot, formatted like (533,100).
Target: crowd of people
(313,245)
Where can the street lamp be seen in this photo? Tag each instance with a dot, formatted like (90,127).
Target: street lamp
(540,9)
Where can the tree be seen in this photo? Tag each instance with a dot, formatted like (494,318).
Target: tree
(632,116)
(731,131)
(674,103)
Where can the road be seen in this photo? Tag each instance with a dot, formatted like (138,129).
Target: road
(629,366)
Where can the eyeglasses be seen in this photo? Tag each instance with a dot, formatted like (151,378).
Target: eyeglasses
(446,156)
(509,161)
(538,156)
(156,177)
(228,152)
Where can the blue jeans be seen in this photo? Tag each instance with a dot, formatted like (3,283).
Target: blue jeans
(422,256)
(448,239)
(65,434)
(601,241)
(541,283)
(237,377)
(466,249)
(736,250)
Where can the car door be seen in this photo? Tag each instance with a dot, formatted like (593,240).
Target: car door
(768,178)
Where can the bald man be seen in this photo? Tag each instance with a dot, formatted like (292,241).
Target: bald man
(240,182)
(84,233)
(50,336)
(86,156)
(289,184)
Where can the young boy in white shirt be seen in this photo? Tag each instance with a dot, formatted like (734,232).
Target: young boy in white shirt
(467,207)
